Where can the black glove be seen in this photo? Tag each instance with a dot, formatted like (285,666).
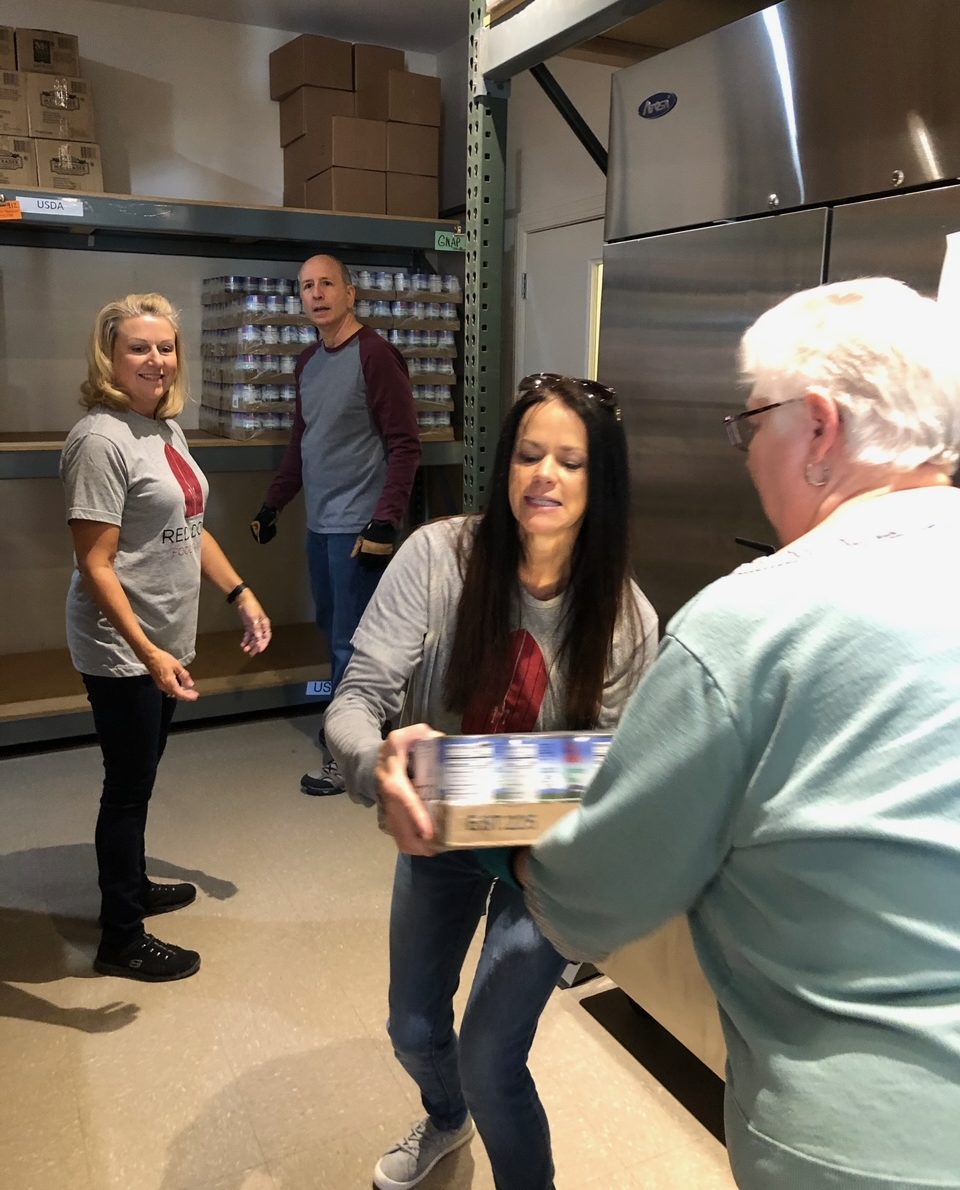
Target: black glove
(264,525)
(374,547)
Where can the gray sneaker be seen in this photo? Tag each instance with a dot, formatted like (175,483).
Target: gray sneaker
(409,1161)
(327,781)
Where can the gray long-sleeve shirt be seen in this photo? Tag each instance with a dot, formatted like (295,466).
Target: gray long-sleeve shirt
(355,446)
(402,647)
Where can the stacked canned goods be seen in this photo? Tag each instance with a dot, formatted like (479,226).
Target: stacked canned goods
(253,330)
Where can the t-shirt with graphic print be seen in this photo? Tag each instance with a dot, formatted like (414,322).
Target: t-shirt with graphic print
(402,648)
(123,469)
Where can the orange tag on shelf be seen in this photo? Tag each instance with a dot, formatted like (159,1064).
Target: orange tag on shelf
(10,210)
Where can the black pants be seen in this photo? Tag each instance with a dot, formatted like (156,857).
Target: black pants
(132,718)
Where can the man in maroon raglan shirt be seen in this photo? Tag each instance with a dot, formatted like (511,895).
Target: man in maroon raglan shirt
(354,450)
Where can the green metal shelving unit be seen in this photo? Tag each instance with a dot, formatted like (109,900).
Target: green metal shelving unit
(486,168)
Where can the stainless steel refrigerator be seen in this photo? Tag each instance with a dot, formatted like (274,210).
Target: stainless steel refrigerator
(816,140)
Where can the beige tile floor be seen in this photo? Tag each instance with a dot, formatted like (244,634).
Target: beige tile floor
(270,1068)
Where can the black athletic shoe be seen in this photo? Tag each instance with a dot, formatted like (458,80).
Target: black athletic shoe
(149,959)
(164,898)
(325,783)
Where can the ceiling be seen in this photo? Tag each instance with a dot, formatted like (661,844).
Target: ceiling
(424,26)
(430,26)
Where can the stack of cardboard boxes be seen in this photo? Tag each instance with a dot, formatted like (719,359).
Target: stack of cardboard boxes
(359,133)
(47,131)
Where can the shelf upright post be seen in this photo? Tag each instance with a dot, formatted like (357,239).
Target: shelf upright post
(482,315)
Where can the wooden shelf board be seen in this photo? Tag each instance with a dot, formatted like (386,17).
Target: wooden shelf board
(45,682)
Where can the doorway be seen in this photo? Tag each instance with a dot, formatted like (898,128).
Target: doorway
(559,299)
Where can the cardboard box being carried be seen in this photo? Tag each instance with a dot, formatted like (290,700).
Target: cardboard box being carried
(8,48)
(412,196)
(60,108)
(68,165)
(360,191)
(412,98)
(48,52)
(311,61)
(491,790)
(311,107)
(13,104)
(371,65)
(339,141)
(18,161)
(413,149)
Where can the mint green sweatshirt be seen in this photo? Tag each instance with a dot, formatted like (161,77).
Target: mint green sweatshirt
(788,774)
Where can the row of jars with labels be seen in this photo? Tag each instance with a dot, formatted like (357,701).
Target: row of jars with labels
(219,341)
(252,306)
(401,281)
(252,421)
(218,394)
(237,340)
(257,307)
(217,289)
(257,369)
(430,419)
(421,311)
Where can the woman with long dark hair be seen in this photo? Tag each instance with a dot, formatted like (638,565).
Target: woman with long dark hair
(522,619)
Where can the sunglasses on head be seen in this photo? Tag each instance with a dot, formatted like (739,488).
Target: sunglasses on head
(593,390)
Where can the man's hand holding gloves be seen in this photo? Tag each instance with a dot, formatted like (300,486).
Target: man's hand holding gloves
(264,525)
(375,545)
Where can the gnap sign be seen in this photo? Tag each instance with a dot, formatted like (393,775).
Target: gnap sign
(655,106)
(449,241)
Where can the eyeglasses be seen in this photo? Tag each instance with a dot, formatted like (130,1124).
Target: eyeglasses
(741,431)
(593,390)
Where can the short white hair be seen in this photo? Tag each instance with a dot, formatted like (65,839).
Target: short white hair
(886,355)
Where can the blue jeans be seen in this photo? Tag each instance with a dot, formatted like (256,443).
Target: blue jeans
(437,904)
(341,590)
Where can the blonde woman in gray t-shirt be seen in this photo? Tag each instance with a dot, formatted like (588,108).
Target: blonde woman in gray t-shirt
(135,506)
(523,619)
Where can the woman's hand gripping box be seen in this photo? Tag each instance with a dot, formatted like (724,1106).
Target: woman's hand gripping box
(496,790)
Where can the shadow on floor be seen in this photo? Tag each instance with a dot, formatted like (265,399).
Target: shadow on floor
(327,1094)
(678,1071)
(49,904)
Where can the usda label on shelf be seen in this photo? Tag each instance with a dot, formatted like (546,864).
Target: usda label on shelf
(51,206)
(449,241)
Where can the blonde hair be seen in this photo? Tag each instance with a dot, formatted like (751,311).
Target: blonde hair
(100,388)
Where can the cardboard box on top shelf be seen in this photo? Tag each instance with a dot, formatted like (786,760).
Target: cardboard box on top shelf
(413,98)
(309,107)
(18,161)
(413,149)
(13,104)
(339,141)
(412,196)
(61,108)
(295,192)
(68,165)
(311,61)
(8,48)
(48,52)
(358,191)
(371,65)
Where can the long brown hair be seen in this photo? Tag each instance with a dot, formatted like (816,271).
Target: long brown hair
(598,595)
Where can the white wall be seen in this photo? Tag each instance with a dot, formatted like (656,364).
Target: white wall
(183,104)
